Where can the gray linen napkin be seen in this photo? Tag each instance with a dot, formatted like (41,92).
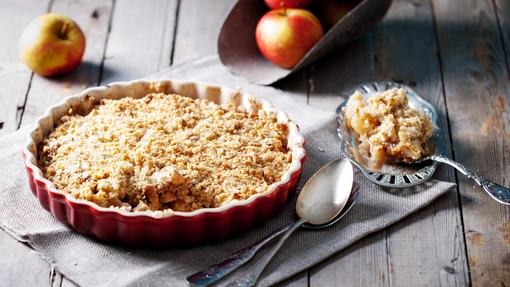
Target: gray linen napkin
(89,262)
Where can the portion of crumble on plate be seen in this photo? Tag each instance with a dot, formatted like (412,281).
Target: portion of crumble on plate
(388,130)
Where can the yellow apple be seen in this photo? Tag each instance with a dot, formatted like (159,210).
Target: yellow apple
(51,44)
(284,36)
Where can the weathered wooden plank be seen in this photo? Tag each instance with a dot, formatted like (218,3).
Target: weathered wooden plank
(427,247)
(140,41)
(14,75)
(503,14)
(19,265)
(362,264)
(331,79)
(334,75)
(198,27)
(401,52)
(93,18)
(477,92)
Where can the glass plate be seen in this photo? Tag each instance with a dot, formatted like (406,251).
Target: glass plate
(393,175)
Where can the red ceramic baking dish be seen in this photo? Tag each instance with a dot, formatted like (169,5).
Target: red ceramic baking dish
(146,228)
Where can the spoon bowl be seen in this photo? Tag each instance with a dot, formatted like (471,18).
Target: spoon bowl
(347,207)
(322,199)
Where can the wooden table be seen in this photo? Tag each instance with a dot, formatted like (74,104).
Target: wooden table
(455,53)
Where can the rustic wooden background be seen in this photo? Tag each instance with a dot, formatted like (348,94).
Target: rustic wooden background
(455,53)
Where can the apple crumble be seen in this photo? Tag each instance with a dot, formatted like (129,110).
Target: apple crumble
(388,130)
(165,153)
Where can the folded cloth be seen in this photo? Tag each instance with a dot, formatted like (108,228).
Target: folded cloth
(89,262)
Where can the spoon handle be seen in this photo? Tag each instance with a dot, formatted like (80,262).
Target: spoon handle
(217,271)
(500,193)
(251,276)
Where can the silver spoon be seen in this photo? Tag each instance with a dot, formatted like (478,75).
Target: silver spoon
(322,198)
(217,271)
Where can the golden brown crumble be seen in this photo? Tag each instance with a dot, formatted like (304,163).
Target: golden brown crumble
(165,152)
(388,130)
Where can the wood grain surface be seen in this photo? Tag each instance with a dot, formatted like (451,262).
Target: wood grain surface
(454,53)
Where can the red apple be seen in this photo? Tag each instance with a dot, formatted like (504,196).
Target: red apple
(330,11)
(51,44)
(284,36)
(277,4)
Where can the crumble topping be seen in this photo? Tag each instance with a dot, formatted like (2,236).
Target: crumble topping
(165,153)
(388,130)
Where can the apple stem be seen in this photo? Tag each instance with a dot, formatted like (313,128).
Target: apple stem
(284,9)
(63,30)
